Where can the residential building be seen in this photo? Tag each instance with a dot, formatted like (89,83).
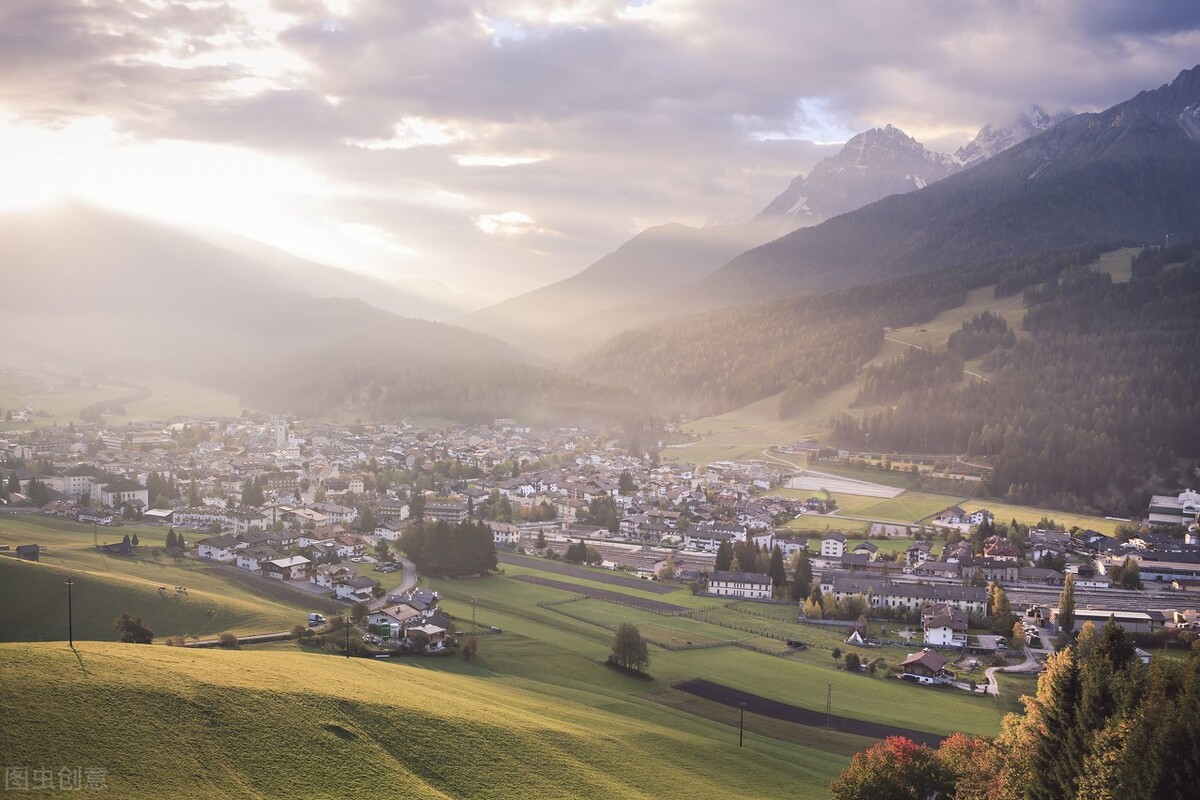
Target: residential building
(739,584)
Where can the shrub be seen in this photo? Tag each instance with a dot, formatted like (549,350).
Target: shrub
(227,639)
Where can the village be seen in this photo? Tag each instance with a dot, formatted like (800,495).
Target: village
(322,509)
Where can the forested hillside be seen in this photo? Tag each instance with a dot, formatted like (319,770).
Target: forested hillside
(712,362)
(1093,411)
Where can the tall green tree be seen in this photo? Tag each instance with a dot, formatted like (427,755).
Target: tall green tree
(775,569)
(1066,607)
(724,557)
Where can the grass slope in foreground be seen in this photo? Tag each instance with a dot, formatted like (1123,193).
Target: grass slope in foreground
(168,722)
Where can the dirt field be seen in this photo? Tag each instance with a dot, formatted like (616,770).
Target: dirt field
(804,716)
(580,572)
(601,594)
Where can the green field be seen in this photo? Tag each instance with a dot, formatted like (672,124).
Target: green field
(165,722)
(33,599)
(64,394)
(536,698)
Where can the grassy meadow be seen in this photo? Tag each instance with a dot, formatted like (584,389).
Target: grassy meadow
(33,598)
(168,722)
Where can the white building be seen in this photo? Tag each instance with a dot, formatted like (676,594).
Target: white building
(218,548)
(739,584)
(833,545)
(1181,509)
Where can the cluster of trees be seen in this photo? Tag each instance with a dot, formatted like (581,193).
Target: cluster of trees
(131,630)
(980,335)
(826,606)
(629,649)
(914,369)
(162,491)
(1101,727)
(1128,575)
(748,557)
(175,540)
(582,553)
(602,511)
(439,548)
(1092,413)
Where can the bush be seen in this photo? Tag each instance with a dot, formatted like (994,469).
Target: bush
(227,639)
(298,632)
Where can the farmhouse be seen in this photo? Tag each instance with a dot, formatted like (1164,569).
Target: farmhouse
(739,584)
(926,667)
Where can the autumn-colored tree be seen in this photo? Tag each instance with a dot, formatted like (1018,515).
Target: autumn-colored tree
(895,769)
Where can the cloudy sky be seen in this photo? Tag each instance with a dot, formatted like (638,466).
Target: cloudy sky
(497,145)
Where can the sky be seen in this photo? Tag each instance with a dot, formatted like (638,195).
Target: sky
(498,145)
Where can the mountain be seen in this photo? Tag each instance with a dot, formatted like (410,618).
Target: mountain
(562,316)
(873,164)
(118,296)
(409,298)
(994,139)
(1127,173)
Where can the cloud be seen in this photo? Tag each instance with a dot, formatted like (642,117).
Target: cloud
(431,122)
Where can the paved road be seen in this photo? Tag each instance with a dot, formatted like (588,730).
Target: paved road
(614,579)
(1029,666)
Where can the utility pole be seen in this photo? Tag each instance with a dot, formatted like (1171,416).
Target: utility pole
(828,706)
(741,721)
(70,615)
(472,615)
(347,637)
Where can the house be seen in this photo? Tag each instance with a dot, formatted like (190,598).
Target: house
(434,635)
(704,538)
(790,543)
(390,530)
(252,558)
(901,595)
(395,614)
(121,548)
(954,515)
(870,549)
(96,516)
(28,552)
(944,626)
(917,553)
(739,584)
(927,667)
(355,589)
(292,568)
(218,548)
(114,492)
(505,534)
(329,575)
(833,545)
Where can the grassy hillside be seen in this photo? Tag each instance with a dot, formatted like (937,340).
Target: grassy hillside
(33,599)
(165,722)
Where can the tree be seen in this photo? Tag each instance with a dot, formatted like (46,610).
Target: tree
(469,647)
(895,769)
(626,484)
(1066,607)
(852,662)
(667,572)
(193,494)
(629,648)
(133,540)
(541,540)
(1017,642)
(812,610)
(802,584)
(1128,575)
(171,538)
(358,612)
(38,494)
(14,483)
(125,540)
(131,630)
(724,560)
(252,493)
(775,568)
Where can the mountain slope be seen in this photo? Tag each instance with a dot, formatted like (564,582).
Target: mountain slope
(116,295)
(550,320)
(1126,173)
(874,164)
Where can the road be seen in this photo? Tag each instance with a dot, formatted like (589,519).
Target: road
(1029,666)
